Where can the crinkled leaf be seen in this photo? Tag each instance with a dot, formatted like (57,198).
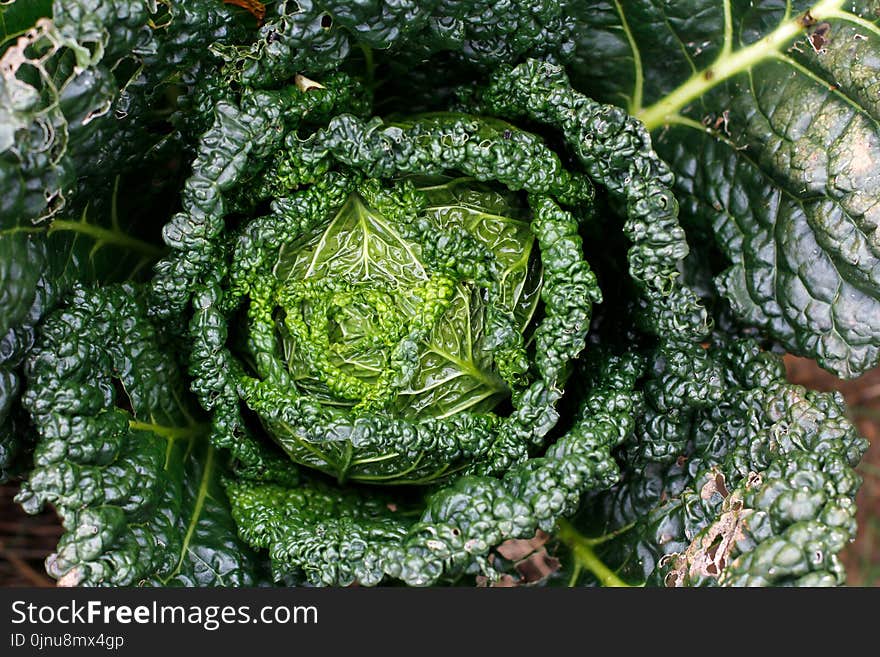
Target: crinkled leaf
(315,37)
(361,245)
(333,536)
(775,145)
(356,430)
(86,167)
(758,487)
(78,94)
(121,455)
(340,533)
(38,265)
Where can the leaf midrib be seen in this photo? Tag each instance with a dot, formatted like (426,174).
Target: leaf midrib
(733,62)
(202,495)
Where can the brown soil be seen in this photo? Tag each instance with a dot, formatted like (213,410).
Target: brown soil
(862,557)
(25,541)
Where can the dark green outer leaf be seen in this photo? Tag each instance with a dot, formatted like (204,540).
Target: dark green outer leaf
(20,16)
(54,92)
(781,158)
(616,152)
(121,457)
(23,299)
(756,487)
(333,536)
(75,111)
(305,36)
(37,267)
(78,94)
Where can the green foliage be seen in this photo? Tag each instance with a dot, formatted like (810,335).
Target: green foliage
(332,537)
(86,164)
(76,96)
(323,264)
(767,113)
(758,490)
(420,293)
(38,266)
(304,36)
(122,453)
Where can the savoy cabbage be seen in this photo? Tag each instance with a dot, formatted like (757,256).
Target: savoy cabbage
(334,293)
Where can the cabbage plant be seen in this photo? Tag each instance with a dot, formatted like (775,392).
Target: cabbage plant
(335,295)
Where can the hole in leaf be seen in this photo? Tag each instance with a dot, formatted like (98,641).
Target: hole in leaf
(719,485)
(715,565)
(122,401)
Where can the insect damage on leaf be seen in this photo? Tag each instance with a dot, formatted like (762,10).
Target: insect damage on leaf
(798,260)
(710,552)
(711,549)
(820,37)
(430,311)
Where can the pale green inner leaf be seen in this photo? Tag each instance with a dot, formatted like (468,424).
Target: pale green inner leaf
(360,247)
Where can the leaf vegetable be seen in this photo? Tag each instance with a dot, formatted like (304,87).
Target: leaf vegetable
(416,295)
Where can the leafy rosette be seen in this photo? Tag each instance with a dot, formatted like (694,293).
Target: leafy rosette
(401,302)
(436,298)
(385,327)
